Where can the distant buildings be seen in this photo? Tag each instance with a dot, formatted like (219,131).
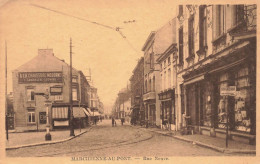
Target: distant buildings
(190,62)
(45,73)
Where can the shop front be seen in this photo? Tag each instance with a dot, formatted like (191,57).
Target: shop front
(208,111)
(167,111)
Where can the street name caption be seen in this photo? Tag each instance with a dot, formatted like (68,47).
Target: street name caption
(118,158)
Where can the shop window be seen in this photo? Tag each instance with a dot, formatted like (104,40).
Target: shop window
(29,94)
(31,116)
(222,106)
(242,101)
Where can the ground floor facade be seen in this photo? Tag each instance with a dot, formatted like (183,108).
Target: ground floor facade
(208,111)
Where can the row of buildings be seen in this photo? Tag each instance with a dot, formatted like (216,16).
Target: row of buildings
(46,74)
(190,62)
(122,105)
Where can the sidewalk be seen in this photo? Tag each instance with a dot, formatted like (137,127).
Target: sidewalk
(215,143)
(26,139)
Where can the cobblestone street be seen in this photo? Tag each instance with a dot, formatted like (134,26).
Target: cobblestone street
(103,140)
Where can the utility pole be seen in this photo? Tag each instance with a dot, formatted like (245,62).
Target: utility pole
(71,102)
(6,108)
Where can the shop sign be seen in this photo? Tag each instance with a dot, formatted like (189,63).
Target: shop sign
(40,77)
(56,90)
(228,91)
(42,117)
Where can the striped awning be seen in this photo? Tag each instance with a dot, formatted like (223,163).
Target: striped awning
(59,112)
(78,112)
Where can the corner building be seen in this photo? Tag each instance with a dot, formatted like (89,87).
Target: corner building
(217,49)
(45,72)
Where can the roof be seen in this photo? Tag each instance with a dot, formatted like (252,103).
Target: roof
(43,63)
(150,37)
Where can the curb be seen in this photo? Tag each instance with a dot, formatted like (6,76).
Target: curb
(219,149)
(48,142)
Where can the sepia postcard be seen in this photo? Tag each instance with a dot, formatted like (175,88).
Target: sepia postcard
(127,81)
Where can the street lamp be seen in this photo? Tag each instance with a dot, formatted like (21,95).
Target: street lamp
(48,105)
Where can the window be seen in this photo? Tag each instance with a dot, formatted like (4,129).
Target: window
(191,35)
(202,26)
(169,60)
(74,94)
(58,97)
(145,85)
(165,80)
(151,61)
(150,85)
(31,117)
(74,79)
(164,63)
(219,21)
(162,81)
(180,10)
(169,78)
(161,67)
(29,94)
(91,103)
(181,45)
(154,83)
(238,14)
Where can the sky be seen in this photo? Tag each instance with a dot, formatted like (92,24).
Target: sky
(29,25)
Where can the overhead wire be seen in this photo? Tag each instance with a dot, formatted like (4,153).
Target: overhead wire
(117,29)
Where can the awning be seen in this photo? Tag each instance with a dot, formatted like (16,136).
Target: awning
(193,80)
(78,112)
(87,111)
(59,112)
(95,114)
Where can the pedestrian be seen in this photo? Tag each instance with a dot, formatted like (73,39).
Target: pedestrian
(113,121)
(122,121)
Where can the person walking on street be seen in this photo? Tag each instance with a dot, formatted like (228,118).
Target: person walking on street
(113,121)
(122,121)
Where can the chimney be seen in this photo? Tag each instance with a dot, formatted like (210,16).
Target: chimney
(45,52)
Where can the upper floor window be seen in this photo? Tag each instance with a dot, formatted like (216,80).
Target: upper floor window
(237,14)
(202,26)
(153,83)
(145,86)
(180,10)
(74,79)
(191,35)
(169,60)
(181,45)
(220,21)
(169,78)
(29,94)
(151,61)
(164,63)
(74,93)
